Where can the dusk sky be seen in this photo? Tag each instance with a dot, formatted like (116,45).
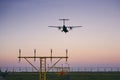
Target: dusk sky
(24,25)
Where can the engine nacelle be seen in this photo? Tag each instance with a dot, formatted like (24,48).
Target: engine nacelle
(59,28)
(71,28)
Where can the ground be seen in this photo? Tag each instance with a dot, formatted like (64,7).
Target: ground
(66,76)
(1,78)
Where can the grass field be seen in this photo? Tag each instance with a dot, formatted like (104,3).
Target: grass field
(66,76)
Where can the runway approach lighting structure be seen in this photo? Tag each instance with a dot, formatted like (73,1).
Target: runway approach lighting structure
(42,62)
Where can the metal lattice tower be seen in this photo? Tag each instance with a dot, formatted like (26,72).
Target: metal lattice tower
(42,68)
(42,61)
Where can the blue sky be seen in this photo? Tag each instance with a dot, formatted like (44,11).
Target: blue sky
(24,24)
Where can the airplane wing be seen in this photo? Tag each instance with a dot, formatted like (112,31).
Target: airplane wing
(59,27)
(70,27)
(73,26)
(55,26)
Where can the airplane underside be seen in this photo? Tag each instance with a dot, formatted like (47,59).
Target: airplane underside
(65,31)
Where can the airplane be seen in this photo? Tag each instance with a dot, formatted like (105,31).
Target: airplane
(65,28)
